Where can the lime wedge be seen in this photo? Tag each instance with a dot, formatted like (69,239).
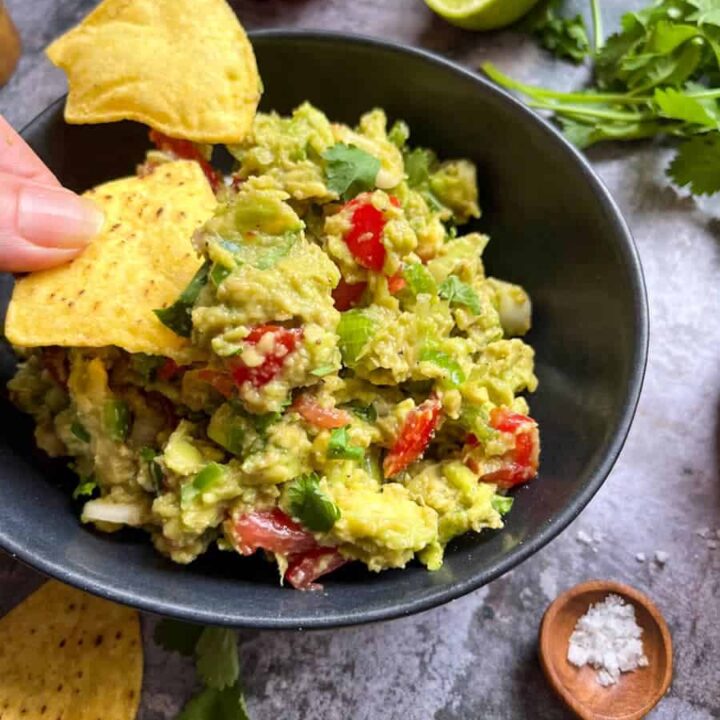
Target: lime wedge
(481,14)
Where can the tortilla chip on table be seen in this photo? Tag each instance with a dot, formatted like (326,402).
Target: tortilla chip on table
(66,655)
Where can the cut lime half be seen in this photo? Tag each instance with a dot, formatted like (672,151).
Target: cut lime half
(481,14)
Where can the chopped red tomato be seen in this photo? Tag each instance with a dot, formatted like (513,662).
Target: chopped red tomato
(221,381)
(319,416)
(186,150)
(284,341)
(304,569)
(270,530)
(394,201)
(347,294)
(471,440)
(415,435)
(521,462)
(168,370)
(364,239)
(396,283)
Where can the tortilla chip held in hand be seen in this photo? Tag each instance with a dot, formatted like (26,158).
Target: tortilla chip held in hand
(65,654)
(141,261)
(184,67)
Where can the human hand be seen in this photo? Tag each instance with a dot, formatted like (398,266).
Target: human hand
(41,223)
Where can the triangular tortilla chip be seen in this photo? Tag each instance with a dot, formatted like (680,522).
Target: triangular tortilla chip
(65,654)
(141,261)
(184,67)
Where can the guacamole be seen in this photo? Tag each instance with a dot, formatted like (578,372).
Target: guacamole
(353,393)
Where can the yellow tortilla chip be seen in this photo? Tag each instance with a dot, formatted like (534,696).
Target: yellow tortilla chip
(65,654)
(184,67)
(141,261)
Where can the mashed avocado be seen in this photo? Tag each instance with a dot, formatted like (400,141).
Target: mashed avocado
(358,396)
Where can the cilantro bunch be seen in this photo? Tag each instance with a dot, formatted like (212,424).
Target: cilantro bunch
(658,76)
(217,665)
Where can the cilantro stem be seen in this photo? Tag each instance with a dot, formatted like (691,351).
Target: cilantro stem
(592,112)
(598,39)
(581,97)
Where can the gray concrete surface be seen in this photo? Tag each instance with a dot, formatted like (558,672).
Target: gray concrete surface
(476,658)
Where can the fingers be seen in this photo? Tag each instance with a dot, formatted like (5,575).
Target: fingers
(16,157)
(41,225)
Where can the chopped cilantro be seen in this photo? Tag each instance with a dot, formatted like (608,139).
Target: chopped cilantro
(116,416)
(178,316)
(310,505)
(339,447)
(79,431)
(364,412)
(456,292)
(350,170)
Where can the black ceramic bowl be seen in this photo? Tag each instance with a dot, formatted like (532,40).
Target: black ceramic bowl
(554,229)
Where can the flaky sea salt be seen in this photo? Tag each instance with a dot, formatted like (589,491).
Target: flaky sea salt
(608,638)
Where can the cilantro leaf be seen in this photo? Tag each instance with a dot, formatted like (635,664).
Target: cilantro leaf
(564,37)
(339,446)
(177,636)
(456,292)
(680,106)
(350,170)
(178,316)
(697,164)
(216,657)
(214,704)
(79,431)
(368,413)
(310,505)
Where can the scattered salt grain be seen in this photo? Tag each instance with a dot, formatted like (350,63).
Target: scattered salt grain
(584,538)
(712,544)
(640,557)
(608,638)
(661,557)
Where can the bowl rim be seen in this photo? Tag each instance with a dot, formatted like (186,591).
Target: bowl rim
(407,606)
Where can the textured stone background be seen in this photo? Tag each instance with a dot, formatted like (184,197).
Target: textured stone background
(476,658)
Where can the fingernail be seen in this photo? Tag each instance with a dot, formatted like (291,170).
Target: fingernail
(55,217)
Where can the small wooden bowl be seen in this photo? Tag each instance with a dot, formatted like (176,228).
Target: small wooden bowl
(9,45)
(635,693)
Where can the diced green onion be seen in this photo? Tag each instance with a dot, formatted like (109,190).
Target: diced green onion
(355,330)
(419,279)
(85,488)
(501,503)
(323,370)
(205,480)
(364,412)
(455,375)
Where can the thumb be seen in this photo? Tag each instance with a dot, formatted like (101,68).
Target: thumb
(42,225)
